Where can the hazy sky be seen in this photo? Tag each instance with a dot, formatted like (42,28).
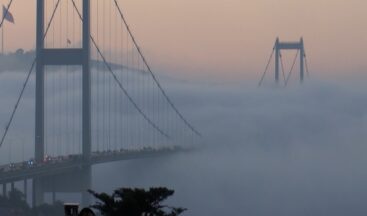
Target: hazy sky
(231,38)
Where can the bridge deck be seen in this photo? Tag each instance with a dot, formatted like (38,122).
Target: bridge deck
(22,171)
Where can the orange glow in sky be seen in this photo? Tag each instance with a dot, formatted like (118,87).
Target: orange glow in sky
(230,38)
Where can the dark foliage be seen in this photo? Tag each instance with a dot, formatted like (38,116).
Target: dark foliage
(56,209)
(15,203)
(136,202)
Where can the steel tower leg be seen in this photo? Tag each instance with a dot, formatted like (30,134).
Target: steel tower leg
(277,57)
(302,59)
(87,141)
(39,131)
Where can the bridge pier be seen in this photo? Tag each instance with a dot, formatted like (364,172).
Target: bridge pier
(87,184)
(37,192)
(25,189)
(53,197)
(4,190)
(12,187)
(77,181)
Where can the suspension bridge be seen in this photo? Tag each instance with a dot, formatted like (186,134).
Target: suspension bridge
(114,109)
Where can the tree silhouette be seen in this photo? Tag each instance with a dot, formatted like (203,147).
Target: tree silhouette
(15,202)
(55,209)
(135,202)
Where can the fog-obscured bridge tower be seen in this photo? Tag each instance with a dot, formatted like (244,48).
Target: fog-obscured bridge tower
(279,66)
(299,46)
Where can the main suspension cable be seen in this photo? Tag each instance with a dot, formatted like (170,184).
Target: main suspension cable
(26,81)
(290,72)
(267,67)
(192,128)
(119,83)
(282,65)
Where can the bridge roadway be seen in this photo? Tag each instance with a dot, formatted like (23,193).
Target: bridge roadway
(21,171)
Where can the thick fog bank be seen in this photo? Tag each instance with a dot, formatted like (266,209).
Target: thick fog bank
(272,150)
(266,151)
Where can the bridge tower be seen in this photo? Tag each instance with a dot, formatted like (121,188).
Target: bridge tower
(74,56)
(289,46)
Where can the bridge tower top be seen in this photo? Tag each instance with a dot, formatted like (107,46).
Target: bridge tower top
(299,46)
(287,45)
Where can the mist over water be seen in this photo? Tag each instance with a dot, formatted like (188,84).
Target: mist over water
(298,150)
(266,151)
